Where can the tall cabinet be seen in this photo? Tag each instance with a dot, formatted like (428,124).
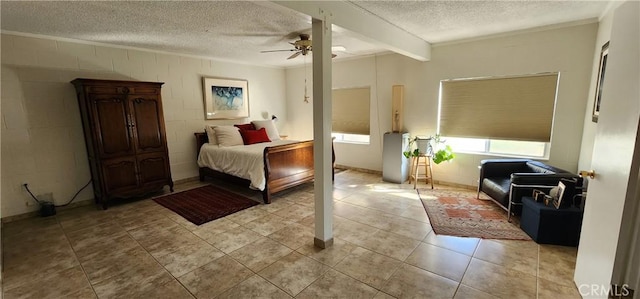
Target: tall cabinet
(125,136)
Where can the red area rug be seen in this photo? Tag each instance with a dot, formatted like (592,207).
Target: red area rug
(204,204)
(459,213)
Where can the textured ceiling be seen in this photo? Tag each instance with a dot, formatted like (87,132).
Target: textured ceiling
(239,30)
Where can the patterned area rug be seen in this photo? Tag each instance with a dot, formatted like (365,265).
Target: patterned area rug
(459,213)
(201,205)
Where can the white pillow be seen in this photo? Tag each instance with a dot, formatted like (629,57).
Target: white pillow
(211,134)
(269,126)
(228,136)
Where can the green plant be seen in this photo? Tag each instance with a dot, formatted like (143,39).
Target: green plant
(442,153)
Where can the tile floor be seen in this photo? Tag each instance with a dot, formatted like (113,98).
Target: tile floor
(384,248)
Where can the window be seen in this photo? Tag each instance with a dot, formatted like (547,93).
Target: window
(507,116)
(532,149)
(350,114)
(504,108)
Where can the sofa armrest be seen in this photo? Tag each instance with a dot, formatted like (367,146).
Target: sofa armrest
(501,167)
(535,178)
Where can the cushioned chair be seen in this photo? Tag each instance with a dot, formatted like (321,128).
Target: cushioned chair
(506,181)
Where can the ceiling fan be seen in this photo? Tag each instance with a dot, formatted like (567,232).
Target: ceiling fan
(302,46)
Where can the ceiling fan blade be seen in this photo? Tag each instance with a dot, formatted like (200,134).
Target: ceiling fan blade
(289,50)
(294,55)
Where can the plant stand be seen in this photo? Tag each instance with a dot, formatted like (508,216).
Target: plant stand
(416,162)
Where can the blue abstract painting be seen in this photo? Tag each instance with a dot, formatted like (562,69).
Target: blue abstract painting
(227,97)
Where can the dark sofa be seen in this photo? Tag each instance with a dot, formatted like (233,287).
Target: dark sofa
(506,181)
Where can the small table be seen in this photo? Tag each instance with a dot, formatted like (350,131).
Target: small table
(548,225)
(414,172)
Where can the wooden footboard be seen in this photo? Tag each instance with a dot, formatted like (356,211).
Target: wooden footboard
(285,166)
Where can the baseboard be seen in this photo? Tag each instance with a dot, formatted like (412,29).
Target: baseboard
(345,167)
(456,185)
(34,214)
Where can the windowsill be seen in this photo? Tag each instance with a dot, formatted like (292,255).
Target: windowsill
(351,142)
(502,155)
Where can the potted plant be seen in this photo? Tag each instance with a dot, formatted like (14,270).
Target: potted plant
(426,146)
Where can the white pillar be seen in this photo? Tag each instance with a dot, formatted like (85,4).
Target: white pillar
(322,155)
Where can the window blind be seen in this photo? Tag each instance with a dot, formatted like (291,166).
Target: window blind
(350,110)
(511,108)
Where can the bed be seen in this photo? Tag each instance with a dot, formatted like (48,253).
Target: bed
(269,167)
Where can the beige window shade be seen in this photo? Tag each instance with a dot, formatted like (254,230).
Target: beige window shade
(512,108)
(350,111)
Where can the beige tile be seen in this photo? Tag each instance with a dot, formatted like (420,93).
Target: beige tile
(295,212)
(352,231)
(73,222)
(275,205)
(164,241)
(133,283)
(268,224)
(389,244)
(369,267)
(21,269)
(557,264)
(188,258)
(212,228)
(254,287)
(438,260)
(460,244)
(499,281)
(551,290)
(233,239)
(260,254)
(383,295)
(294,236)
(465,292)
(169,290)
(329,256)
(409,228)
(116,263)
(75,286)
(247,215)
(215,278)
(334,284)
(29,227)
(293,273)
(411,282)
(523,259)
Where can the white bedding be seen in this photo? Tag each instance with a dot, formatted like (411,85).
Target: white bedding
(243,161)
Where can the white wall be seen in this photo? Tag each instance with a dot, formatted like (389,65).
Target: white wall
(568,50)
(42,141)
(589,129)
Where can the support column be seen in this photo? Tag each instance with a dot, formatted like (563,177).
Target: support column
(323,186)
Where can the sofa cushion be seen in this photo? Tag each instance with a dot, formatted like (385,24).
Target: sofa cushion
(497,188)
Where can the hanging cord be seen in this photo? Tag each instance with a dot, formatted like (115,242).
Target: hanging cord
(64,205)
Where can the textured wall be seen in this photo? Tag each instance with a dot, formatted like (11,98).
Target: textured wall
(568,50)
(42,141)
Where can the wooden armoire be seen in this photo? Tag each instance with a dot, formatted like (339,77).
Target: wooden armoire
(125,136)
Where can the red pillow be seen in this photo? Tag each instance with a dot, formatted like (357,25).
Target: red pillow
(254,136)
(244,127)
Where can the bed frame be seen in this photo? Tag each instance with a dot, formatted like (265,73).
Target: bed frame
(285,166)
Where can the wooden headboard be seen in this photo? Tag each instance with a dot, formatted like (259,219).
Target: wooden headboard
(201,138)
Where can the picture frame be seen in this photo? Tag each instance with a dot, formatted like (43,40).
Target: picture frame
(561,189)
(225,98)
(604,54)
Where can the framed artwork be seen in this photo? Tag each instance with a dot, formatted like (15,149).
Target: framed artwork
(604,53)
(561,189)
(225,98)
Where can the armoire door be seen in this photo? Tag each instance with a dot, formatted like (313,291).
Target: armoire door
(120,174)
(111,125)
(153,169)
(146,112)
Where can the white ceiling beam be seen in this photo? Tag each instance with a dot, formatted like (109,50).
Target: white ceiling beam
(370,27)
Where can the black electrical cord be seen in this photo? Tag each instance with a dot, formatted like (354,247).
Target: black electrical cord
(64,205)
